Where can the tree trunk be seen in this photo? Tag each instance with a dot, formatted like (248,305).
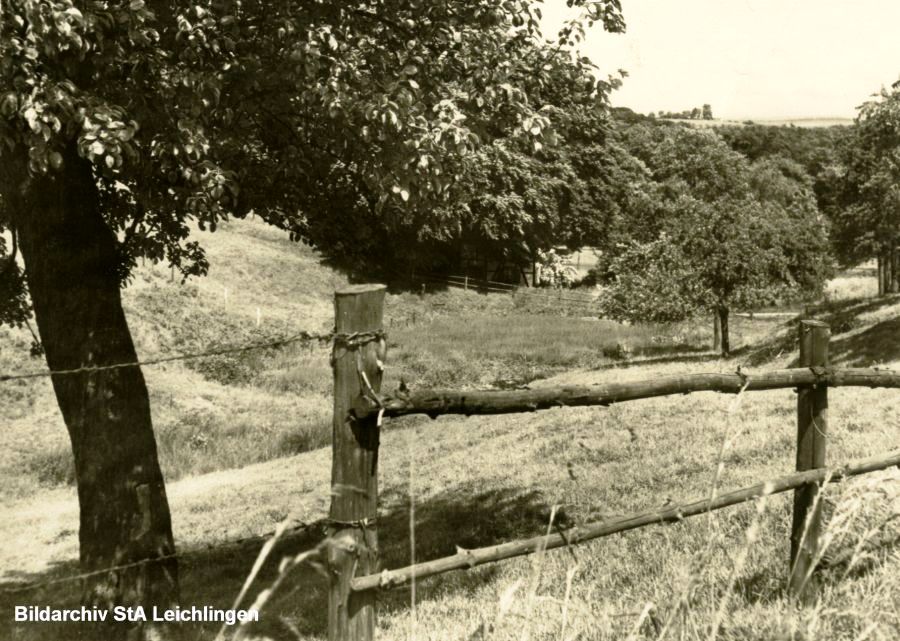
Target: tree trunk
(73,276)
(886,262)
(717,332)
(722,313)
(886,271)
(879,271)
(895,272)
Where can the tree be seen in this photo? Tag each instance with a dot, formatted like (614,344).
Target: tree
(867,222)
(707,112)
(516,203)
(729,234)
(819,150)
(506,189)
(121,124)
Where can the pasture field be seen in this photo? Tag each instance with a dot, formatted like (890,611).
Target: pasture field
(854,284)
(478,481)
(230,411)
(230,432)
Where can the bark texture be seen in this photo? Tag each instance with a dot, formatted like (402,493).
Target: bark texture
(73,276)
(717,332)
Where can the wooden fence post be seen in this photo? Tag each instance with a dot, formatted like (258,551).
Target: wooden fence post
(812,426)
(354,473)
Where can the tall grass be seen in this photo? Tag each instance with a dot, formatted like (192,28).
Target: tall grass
(853,284)
(714,579)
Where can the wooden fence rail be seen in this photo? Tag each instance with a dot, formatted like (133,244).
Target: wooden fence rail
(467,559)
(358,362)
(468,403)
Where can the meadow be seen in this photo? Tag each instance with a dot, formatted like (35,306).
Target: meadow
(242,441)
(246,408)
(230,411)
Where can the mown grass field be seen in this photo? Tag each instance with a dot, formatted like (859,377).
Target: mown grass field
(484,480)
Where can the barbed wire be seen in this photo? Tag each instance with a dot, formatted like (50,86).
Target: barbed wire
(28,587)
(350,340)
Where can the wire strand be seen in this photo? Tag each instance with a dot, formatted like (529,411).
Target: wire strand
(347,340)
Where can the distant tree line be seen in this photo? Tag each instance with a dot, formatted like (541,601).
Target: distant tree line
(697,113)
(818,150)
(855,173)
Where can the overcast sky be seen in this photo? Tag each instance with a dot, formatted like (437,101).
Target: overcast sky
(748,58)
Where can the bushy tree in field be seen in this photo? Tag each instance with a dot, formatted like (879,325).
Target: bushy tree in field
(653,282)
(867,223)
(728,234)
(714,257)
(124,123)
(809,260)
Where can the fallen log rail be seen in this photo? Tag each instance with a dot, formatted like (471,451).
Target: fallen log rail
(439,402)
(467,559)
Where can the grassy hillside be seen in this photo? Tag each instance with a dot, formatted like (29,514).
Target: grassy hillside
(230,411)
(209,404)
(483,480)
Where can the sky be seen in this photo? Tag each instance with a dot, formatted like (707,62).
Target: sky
(758,59)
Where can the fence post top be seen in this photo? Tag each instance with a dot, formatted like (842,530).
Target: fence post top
(813,323)
(355,290)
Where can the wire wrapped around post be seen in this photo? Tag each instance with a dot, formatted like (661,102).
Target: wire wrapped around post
(358,363)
